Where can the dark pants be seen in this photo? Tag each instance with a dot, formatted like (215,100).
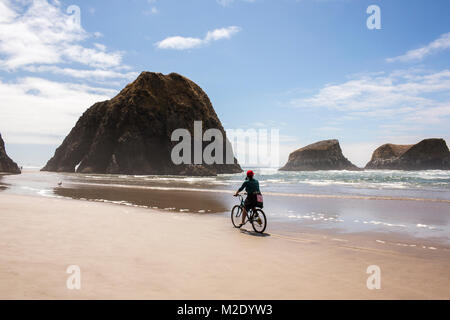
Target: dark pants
(250,202)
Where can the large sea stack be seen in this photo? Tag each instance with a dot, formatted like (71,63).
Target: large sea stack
(131,133)
(6,164)
(322,155)
(426,155)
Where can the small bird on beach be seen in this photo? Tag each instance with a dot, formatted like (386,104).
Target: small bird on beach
(60,183)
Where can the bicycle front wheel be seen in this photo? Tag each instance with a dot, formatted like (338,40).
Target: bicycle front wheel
(259,221)
(236,216)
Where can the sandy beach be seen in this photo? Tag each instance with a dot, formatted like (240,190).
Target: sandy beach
(134,253)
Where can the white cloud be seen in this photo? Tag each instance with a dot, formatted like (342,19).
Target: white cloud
(183,43)
(222,33)
(92,57)
(87,74)
(405,92)
(36,110)
(40,37)
(442,43)
(407,106)
(179,43)
(6,13)
(39,32)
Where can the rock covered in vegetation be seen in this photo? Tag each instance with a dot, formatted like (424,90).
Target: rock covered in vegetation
(131,133)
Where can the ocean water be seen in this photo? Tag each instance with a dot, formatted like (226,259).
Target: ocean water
(416,203)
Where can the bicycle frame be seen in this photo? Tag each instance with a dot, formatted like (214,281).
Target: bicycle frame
(255,216)
(241,198)
(250,212)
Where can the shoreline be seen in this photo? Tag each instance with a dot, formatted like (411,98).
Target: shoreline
(278,194)
(134,253)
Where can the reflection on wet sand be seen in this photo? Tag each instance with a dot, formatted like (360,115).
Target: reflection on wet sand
(3,186)
(421,219)
(184,201)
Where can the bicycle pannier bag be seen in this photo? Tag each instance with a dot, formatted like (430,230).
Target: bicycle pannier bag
(259,200)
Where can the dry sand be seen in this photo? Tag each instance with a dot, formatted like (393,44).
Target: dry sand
(133,253)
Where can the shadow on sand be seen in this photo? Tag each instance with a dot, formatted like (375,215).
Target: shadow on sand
(253,233)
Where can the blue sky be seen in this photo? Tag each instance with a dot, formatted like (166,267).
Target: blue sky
(310,68)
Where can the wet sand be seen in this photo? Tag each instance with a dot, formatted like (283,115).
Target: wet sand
(421,213)
(420,219)
(3,186)
(134,253)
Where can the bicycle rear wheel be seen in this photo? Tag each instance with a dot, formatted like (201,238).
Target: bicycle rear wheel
(259,221)
(236,216)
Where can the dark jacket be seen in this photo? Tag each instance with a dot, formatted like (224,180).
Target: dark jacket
(251,186)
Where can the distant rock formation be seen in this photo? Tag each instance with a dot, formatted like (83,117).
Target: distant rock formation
(386,155)
(425,155)
(131,133)
(322,155)
(6,164)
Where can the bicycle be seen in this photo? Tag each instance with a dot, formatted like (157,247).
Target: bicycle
(256,216)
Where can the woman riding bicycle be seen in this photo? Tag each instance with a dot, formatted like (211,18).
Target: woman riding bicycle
(251,186)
